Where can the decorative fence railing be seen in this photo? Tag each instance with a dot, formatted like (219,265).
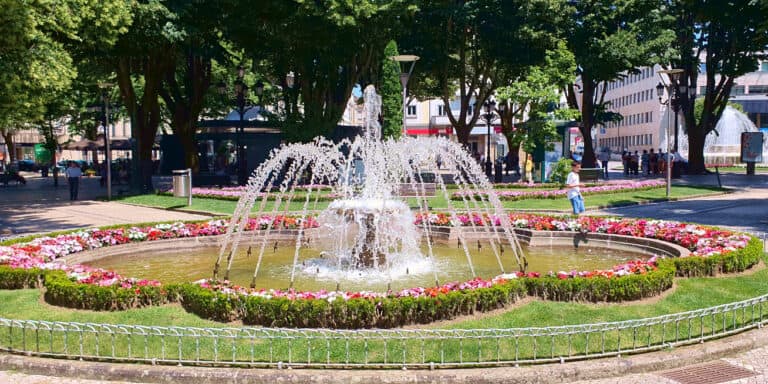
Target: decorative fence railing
(416,348)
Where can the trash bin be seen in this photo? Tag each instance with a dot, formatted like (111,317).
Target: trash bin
(181,183)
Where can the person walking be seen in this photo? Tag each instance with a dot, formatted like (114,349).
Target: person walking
(574,183)
(604,157)
(529,169)
(74,174)
(645,160)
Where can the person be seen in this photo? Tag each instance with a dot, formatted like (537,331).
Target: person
(604,157)
(653,160)
(635,160)
(625,161)
(439,161)
(645,160)
(103,174)
(74,174)
(529,169)
(574,194)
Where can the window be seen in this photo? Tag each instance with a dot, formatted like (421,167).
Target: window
(470,109)
(702,68)
(411,111)
(764,66)
(441,110)
(737,90)
(703,90)
(758,89)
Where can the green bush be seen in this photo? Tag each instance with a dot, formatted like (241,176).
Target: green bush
(62,291)
(602,289)
(735,261)
(560,171)
(20,278)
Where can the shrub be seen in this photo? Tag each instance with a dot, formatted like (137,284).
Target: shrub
(62,291)
(20,278)
(734,261)
(560,171)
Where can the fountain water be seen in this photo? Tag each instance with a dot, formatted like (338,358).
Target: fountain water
(369,230)
(724,145)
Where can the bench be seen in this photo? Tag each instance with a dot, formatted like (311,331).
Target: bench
(590,174)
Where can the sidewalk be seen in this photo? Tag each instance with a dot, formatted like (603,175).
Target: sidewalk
(39,207)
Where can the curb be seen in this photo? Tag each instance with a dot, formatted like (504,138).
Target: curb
(547,373)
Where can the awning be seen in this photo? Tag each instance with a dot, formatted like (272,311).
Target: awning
(424,131)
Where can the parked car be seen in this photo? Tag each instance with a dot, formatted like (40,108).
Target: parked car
(24,165)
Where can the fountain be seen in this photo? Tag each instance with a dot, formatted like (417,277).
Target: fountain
(368,231)
(723,146)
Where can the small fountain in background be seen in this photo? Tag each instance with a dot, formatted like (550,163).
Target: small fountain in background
(724,145)
(368,232)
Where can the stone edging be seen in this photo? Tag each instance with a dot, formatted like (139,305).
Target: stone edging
(546,373)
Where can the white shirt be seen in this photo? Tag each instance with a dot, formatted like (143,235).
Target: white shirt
(73,172)
(573,182)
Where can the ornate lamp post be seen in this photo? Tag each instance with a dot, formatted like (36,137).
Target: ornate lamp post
(404,77)
(671,101)
(489,115)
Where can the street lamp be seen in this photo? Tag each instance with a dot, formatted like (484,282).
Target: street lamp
(671,101)
(404,77)
(489,116)
(107,150)
(241,93)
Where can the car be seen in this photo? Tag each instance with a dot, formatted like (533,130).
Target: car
(24,165)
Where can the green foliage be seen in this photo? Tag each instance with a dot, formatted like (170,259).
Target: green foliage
(20,278)
(390,91)
(698,109)
(736,261)
(560,171)
(62,291)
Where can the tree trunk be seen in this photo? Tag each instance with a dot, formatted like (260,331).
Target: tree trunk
(587,120)
(696,163)
(8,137)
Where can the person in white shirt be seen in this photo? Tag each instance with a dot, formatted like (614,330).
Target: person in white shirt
(74,174)
(573,182)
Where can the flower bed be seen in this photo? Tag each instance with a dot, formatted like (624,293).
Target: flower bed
(560,193)
(234,193)
(32,263)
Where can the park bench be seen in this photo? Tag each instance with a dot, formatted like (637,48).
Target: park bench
(591,175)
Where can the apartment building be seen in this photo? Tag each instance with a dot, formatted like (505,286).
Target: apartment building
(644,120)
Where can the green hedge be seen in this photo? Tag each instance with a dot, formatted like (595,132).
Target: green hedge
(355,313)
(19,278)
(603,289)
(62,291)
(736,261)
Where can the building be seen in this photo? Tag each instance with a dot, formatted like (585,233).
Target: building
(634,97)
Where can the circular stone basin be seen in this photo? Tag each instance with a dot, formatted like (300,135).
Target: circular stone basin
(314,273)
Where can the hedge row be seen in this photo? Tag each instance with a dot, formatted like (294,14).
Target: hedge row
(374,313)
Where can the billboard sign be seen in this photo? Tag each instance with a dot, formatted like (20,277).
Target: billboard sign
(752,147)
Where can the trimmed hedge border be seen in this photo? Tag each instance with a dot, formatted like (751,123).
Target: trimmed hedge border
(382,312)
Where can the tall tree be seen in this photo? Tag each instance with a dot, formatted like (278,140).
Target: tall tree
(610,38)
(720,40)
(532,100)
(390,90)
(328,45)
(473,47)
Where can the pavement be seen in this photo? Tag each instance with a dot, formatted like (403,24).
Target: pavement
(41,207)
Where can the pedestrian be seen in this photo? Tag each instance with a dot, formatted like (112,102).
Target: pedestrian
(574,194)
(625,162)
(635,160)
(645,160)
(74,174)
(653,160)
(439,161)
(529,169)
(604,157)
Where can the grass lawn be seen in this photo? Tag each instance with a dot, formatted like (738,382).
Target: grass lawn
(689,294)
(226,207)
(739,169)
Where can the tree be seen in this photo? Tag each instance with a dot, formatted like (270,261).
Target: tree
(720,40)
(471,48)
(328,45)
(390,90)
(535,95)
(40,44)
(610,38)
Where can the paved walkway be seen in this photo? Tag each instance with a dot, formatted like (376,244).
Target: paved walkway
(39,207)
